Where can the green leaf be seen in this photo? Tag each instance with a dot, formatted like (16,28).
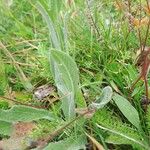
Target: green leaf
(52,32)
(124,139)
(66,78)
(104,99)
(70,143)
(141,143)
(24,113)
(5,128)
(118,131)
(127,109)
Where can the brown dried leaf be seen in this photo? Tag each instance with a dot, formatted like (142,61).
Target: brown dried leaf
(95,142)
(43,91)
(82,111)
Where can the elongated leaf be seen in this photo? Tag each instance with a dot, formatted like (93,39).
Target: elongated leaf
(66,77)
(66,63)
(68,144)
(23,113)
(65,32)
(53,34)
(5,128)
(141,143)
(104,99)
(127,109)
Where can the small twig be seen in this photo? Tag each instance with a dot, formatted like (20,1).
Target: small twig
(139,31)
(146,36)
(22,64)
(23,50)
(129,6)
(33,46)
(15,101)
(21,74)
(147,4)
(129,11)
(92,20)
(26,41)
(58,131)
(135,82)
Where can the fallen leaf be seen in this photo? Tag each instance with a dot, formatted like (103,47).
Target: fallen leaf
(95,142)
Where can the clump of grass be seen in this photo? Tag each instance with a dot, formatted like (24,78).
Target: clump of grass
(102,37)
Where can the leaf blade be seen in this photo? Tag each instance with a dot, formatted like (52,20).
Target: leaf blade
(66,78)
(127,109)
(24,113)
(70,143)
(104,98)
(53,34)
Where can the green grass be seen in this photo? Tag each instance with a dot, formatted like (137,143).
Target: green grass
(104,54)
